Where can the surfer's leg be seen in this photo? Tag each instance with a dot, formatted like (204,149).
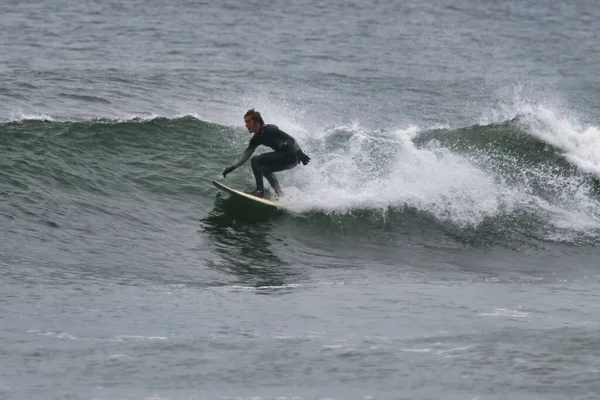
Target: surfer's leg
(258,176)
(273,181)
(267,163)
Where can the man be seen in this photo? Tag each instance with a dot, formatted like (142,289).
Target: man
(287,153)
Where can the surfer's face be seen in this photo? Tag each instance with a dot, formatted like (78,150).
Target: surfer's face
(252,125)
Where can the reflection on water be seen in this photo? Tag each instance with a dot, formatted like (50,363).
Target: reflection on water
(242,235)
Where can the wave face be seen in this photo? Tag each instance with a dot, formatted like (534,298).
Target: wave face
(533,176)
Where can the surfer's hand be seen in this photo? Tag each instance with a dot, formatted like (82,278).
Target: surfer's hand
(304,159)
(227,170)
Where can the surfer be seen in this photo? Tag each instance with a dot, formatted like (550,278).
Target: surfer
(287,153)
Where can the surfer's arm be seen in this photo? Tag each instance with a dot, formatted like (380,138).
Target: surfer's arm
(245,155)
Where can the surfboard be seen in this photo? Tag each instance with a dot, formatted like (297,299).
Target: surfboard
(238,193)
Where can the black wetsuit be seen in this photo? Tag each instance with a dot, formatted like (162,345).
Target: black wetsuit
(287,154)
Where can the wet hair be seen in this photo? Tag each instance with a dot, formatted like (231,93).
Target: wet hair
(255,116)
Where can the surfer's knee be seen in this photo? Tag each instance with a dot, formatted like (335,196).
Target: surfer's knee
(266,171)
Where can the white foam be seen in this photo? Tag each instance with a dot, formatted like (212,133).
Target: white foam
(552,122)
(354,168)
(127,119)
(120,357)
(286,286)
(505,312)
(139,337)
(279,111)
(19,117)
(580,144)
(332,346)
(426,350)
(60,335)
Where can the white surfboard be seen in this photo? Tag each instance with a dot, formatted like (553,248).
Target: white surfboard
(234,192)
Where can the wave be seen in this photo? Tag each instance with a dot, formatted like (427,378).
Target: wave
(524,174)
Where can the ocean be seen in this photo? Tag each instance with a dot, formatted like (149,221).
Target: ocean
(443,242)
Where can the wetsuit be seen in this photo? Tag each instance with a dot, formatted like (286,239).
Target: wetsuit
(287,154)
